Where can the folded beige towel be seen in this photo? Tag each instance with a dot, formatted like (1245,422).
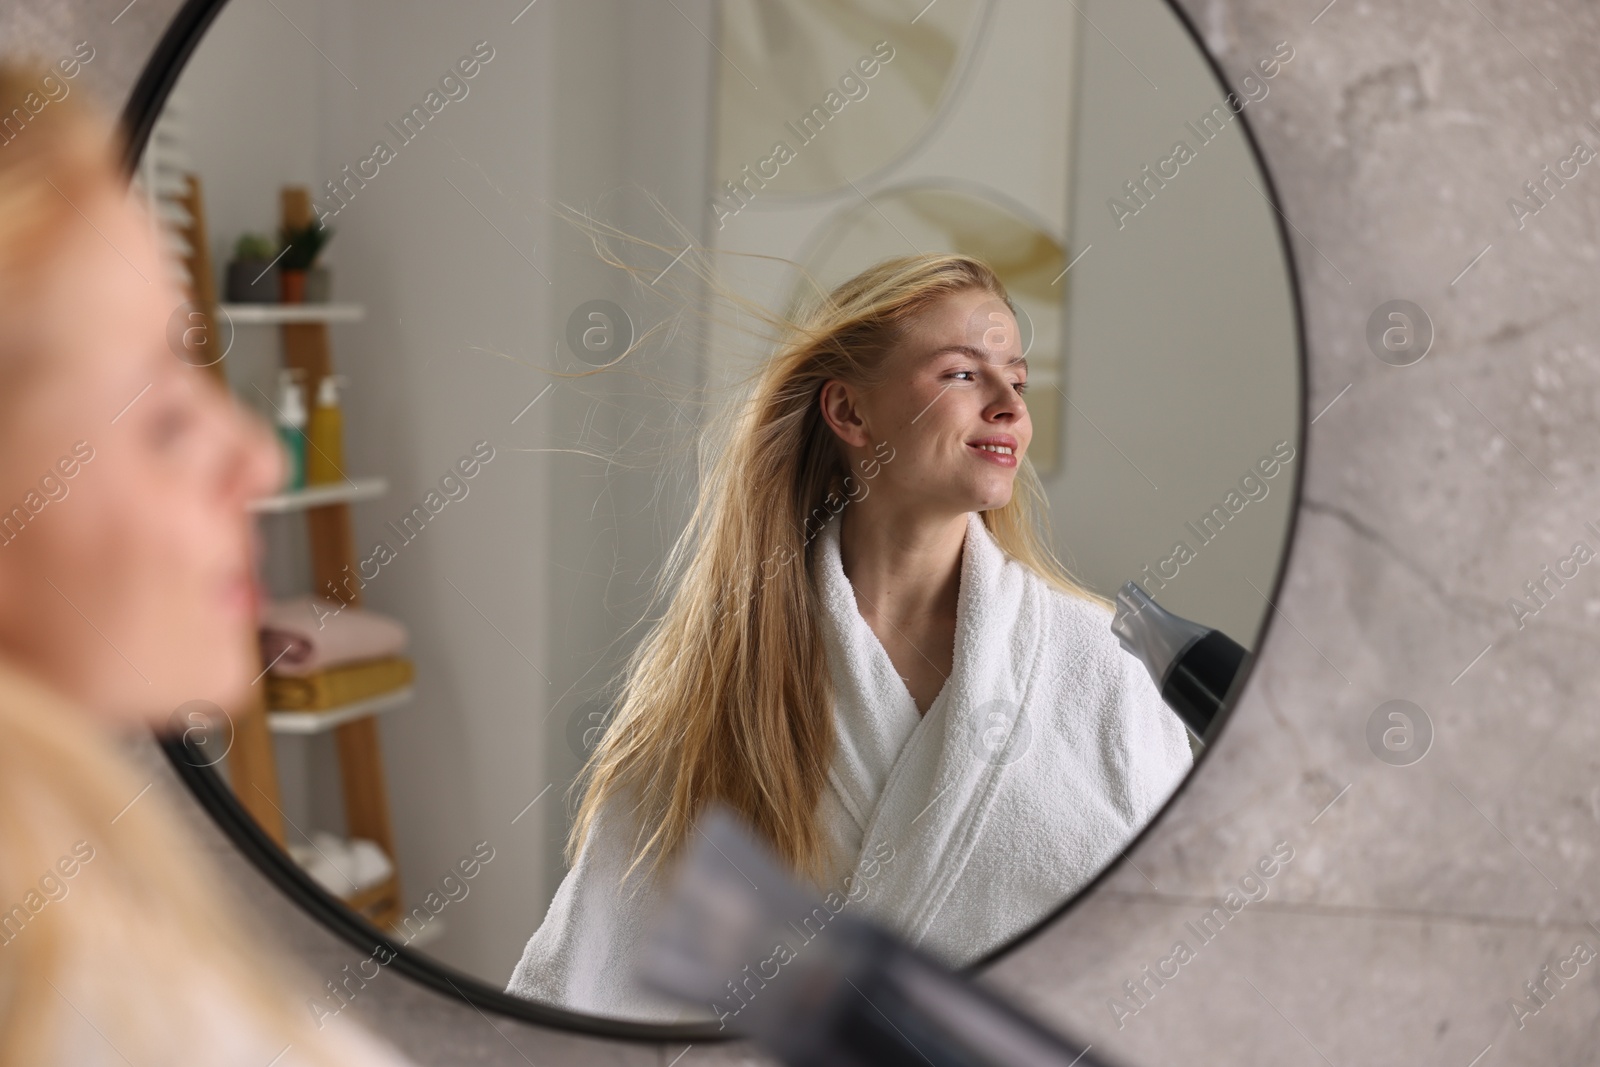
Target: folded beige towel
(338,686)
(304,635)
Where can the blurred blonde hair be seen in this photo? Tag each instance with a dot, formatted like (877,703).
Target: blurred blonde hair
(728,696)
(49,161)
(142,944)
(141,941)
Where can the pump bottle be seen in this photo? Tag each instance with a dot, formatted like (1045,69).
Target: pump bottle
(325,437)
(291,428)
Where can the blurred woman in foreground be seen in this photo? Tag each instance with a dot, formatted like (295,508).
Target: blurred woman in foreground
(127,588)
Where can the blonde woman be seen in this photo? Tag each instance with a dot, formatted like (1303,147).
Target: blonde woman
(126,589)
(871,654)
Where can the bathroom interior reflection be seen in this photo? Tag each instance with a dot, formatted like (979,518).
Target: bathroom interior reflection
(399,224)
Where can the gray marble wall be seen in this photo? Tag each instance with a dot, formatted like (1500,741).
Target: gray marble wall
(1419,897)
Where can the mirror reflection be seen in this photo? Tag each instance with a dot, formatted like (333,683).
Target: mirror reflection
(748,400)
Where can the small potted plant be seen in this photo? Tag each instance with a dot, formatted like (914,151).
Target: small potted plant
(252,276)
(301,280)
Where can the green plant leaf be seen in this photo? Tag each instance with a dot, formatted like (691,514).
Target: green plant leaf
(305,244)
(254,246)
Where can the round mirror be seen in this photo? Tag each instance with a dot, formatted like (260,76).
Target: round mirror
(765,401)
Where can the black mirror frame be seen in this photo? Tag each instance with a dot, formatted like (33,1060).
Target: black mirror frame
(139,116)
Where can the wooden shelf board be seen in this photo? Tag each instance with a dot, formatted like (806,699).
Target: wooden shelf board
(313,496)
(278,314)
(317,722)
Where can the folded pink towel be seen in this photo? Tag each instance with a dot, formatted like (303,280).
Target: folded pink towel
(307,634)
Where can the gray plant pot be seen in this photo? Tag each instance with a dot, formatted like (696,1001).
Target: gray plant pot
(319,285)
(247,284)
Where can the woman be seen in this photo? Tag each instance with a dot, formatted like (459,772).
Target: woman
(126,590)
(871,655)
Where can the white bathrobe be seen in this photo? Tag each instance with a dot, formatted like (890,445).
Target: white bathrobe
(1047,750)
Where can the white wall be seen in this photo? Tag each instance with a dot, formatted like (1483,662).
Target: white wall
(438,247)
(1180,343)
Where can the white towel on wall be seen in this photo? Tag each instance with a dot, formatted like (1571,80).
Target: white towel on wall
(1047,750)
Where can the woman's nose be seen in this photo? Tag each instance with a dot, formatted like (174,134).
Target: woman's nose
(260,467)
(1007,404)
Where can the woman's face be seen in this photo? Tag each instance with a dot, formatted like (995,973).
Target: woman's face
(950,408)
(130,582)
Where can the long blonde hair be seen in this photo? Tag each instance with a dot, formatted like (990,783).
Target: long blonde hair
(110,915)
(110,909)
(728,697)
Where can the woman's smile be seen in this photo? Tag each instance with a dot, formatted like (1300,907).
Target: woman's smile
(999,449)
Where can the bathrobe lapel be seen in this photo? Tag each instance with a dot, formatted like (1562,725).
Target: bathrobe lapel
(924,785)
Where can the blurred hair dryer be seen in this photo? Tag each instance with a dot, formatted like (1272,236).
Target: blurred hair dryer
(815,986)
(1197,669)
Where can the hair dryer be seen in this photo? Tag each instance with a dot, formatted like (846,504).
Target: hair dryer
(1197,669)
(815,986)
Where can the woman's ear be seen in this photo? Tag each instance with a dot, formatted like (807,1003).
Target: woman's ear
(841,410)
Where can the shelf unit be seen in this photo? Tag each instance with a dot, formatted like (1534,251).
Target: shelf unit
(252,761)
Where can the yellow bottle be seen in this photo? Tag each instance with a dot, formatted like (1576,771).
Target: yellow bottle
(325,435)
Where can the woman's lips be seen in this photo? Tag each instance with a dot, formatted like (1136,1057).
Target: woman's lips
(1001,451)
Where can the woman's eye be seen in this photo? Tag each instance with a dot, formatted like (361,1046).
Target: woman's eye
(169,424)
(972,376)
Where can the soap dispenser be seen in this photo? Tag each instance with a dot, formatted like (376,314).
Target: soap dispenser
(291,428)
(325,447)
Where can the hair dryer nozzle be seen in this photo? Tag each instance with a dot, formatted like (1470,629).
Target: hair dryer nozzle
(1195,667)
